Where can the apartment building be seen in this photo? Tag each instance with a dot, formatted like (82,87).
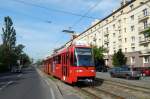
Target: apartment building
(123,29)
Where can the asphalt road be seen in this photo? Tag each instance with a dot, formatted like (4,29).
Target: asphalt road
(25,85)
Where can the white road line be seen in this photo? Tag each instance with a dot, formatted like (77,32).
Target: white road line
(47,82)
(4,86)
(52,93)
(19,75)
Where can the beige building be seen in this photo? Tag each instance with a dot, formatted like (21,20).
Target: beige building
(122,29)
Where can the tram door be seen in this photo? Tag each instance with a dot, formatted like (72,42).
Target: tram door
(65,68)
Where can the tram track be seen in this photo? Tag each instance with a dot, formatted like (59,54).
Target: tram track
(126,86)
(107,89)
(88,93)
(100,93)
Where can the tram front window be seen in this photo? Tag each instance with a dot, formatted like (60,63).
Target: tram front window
(84,57)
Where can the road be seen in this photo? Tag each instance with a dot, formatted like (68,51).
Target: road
(26,85)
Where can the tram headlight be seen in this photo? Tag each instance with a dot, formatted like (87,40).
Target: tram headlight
(92,70)
(79,70)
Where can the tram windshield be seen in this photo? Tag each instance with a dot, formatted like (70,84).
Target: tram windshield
(84,57)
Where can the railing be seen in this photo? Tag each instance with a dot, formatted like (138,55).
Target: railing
(144,40)
(143,28)
(145,51)
(106,34)
(106,42)
(143,16)
(132,44)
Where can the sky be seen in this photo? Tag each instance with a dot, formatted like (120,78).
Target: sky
(39,23)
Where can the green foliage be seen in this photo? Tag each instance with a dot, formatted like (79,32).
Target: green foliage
(119,58)
(9,33)
(9,52)
(147,33)
(98,55)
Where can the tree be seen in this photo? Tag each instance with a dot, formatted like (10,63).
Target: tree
(9,33)
(119,58)
(99,56)
(9,52)
(9,57)
(147,32)
(25,60)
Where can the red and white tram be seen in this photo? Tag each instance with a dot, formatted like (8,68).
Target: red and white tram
(71,64)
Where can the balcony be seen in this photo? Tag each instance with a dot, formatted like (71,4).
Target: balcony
(132,44)
(144,28)
(106,41)
(144,40)
(146,51)
(106,34)
(143,16)
(120,46)
(119,36)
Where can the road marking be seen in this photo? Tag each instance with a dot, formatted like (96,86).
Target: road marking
(47,82)
(52,92)
(19,75)
(7,84)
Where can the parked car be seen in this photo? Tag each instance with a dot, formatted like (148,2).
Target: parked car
(146,71)
(102,68)
(16,69)
(124,72)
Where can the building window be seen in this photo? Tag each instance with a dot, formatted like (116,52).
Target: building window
(132,17)
(125,20)
(113,17)
(119,31)
(145,24)
(125,40)
(119,21)
(125,30)
(132,28)
(120,40)
(131,6)
(121,12)
(114,34)
(133,39)
(107,29)
(145,45)
(145,13)
(106,21)
(114,26)
(146,59)
(133,49)
(133,59)
(125,49)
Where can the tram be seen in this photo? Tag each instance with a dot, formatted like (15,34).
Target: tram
(71,64)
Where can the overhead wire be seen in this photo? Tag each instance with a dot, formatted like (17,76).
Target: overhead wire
(37,18)
(86,13)
(60,11)
(54,10)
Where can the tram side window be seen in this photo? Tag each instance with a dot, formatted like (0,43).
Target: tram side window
(71,58)
(58,59)
(66,59)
